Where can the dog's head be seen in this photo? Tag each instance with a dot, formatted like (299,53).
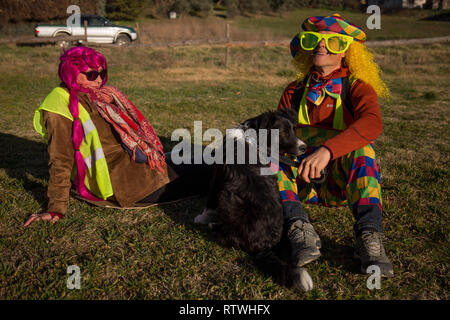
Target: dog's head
(285,121)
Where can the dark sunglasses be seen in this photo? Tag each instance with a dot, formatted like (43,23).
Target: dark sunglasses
(92,75)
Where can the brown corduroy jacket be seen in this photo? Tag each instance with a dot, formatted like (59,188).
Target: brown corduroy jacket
(131,181)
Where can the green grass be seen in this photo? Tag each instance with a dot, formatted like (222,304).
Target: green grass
(158,253)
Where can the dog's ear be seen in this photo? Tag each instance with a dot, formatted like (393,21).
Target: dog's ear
(267,120)
(290,114)
(256,123)
(247,124)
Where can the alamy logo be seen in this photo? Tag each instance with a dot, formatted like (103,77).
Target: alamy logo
(257,143)
(74,280)
(374,21)
(374,281)
(74,21)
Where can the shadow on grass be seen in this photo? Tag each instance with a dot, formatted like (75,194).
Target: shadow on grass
(274,265)
(25,161)
(339,255)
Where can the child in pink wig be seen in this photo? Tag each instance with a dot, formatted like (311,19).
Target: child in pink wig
(99,140)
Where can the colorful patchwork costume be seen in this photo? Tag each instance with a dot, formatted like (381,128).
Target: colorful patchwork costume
(352,180)
(338,111)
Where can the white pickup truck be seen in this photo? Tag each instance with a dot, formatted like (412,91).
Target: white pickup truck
(99,30)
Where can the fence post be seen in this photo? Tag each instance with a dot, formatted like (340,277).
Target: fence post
(85,30)
(138,31)
(227,45)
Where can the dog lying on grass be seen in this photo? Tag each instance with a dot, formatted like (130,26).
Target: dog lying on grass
(244,206)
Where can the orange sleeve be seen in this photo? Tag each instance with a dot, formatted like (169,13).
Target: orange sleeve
(286,97)
(367,125)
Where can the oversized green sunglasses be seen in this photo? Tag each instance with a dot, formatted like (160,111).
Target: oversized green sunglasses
(335,42)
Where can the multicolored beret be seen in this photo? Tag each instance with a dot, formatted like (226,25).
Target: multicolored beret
(334,23)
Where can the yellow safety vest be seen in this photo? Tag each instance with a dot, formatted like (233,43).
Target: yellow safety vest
(338,120)
(97,179)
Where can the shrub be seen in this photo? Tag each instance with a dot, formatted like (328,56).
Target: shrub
(19,11)
(232,8)
(124,9)
(192,7)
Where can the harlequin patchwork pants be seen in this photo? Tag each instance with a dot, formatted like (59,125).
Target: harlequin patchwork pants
(352,180)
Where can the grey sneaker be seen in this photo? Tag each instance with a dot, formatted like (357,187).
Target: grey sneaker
(369,250)
(305,243)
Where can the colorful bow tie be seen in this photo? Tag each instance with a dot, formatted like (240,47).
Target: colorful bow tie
(317,93)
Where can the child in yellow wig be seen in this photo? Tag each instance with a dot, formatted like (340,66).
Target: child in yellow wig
(336,97)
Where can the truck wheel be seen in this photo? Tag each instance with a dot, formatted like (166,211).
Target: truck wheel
(62,43)
(123,40)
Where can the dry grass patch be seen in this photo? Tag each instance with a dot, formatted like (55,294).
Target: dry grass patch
(190,28)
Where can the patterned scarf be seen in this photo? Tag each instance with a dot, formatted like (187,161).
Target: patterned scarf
(134,129)
(317,92)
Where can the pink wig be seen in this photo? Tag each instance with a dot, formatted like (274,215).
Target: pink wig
(74,61)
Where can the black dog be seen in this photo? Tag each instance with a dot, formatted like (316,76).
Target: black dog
(244,206)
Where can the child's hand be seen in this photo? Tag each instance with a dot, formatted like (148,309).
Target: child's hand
(312,165)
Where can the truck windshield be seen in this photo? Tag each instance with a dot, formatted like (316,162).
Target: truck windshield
(96,21)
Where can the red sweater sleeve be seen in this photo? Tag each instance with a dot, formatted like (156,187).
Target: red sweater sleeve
(367,125)
(286,97)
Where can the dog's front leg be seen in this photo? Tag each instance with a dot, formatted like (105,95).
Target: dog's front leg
(212,201)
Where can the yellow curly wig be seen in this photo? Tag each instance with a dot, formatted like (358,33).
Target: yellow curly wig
(360,63)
